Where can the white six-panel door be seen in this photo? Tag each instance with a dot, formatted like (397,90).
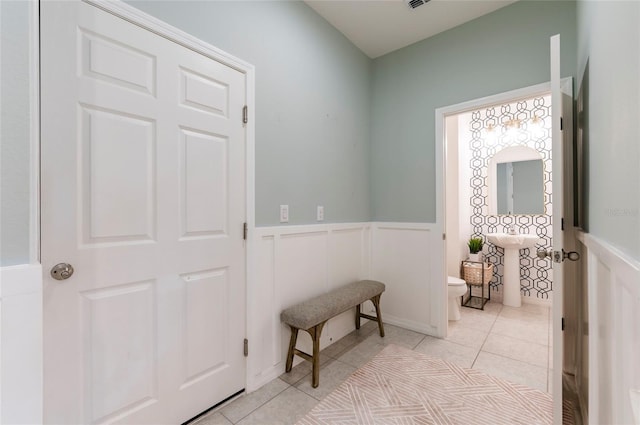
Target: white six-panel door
(143,193)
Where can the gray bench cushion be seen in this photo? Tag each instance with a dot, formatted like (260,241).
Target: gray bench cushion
(325,306)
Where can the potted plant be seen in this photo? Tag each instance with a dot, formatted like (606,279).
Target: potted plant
(475,249)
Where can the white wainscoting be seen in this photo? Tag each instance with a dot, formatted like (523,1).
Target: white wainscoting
(614,333)
(21,344)
(408,258)
(294,263)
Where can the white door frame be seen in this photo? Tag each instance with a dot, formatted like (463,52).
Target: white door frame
(34,121)
(161,28)
(441,160)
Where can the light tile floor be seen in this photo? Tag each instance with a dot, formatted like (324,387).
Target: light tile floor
(510,343)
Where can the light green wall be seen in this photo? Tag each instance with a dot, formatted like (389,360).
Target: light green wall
(312,103)
(332,127)
(502,51)
(609,40)
(14,133)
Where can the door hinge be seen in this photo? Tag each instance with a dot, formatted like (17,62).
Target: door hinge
(563,323)
(562,224)
(245,114)
(245,230)
(444,236)
(561,125)
(246,347)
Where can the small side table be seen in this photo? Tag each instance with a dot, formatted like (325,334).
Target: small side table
(476,273)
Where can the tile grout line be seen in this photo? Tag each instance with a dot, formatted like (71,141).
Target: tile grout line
(424,336)
(487,337)
(517,360)
(335,358)
(257,407)
(530,364)
(331,359)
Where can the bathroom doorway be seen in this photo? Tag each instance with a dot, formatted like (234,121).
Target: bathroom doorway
(563,233)
(498,181)
(464,211)
(481,140)
(470,135)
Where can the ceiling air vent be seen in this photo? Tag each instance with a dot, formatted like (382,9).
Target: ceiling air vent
(415,3)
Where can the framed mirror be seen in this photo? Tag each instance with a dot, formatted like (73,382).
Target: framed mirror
(516,182)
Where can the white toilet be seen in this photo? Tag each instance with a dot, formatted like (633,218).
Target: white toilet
(457,288)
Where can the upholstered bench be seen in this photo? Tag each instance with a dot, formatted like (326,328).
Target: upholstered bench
(311,316)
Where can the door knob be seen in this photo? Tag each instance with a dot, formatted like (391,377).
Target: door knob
(558,256)
(544,254)
(571,255)
(61,271)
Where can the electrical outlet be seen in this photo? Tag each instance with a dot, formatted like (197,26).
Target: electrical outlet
(320,213)
(284,213)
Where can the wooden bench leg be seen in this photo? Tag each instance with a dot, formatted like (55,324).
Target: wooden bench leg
(359,314)
(292,348)
(315,333)
(376,303)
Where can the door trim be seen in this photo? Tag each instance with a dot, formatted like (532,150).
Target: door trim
(163,29)
(34,131)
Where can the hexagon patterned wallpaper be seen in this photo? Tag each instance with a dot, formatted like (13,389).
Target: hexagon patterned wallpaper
(522,123)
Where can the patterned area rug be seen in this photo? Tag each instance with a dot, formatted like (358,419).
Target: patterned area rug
(400,386)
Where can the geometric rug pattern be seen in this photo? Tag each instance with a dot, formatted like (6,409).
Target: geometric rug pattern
(402,387)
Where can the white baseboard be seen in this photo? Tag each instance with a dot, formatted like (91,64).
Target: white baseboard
(257,381)
(409,324)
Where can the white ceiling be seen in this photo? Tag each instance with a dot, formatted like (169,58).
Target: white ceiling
(378,27)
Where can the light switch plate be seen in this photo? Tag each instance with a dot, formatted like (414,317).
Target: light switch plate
(320,213)
(284,213)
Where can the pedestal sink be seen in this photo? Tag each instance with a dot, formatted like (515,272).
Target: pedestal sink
(511,245)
